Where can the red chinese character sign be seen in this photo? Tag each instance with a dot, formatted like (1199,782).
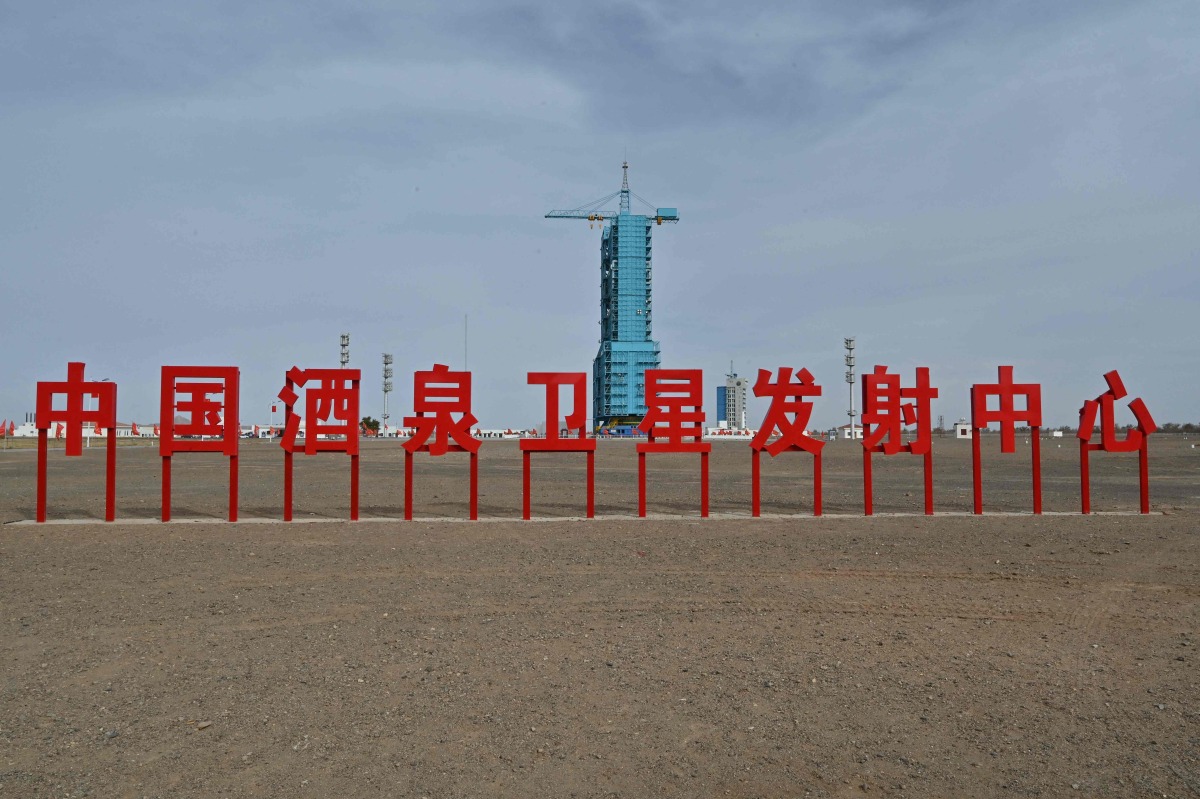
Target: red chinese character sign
(438,396)
(1007,414)
(330,422)
(886,414)
(1136,439)
(553,442)
(787,415)
(74,416)
(673,423)
(207,398)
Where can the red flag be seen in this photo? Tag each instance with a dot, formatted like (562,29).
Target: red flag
(98,429)
(133,430)
(256,431)
(156,431)
(3,428)
(58,431)
(12,428)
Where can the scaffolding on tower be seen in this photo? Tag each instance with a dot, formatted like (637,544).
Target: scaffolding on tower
(627,347)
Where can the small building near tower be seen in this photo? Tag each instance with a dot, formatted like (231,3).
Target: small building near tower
(731,402)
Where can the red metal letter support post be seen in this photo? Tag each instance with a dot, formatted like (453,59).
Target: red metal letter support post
(1135,439)
(442,393)
(668,393)
(75,416)
(335,394)
(577,421)
(212,424)
(1007,415)
(885,414)
(788,413)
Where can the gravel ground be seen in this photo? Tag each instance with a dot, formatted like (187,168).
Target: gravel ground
(900,655)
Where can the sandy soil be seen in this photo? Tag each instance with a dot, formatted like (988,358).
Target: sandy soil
(900,655)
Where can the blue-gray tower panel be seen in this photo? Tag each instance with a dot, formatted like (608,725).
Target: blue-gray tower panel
(627,348)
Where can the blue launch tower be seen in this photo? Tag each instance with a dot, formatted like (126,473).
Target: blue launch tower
(627,347)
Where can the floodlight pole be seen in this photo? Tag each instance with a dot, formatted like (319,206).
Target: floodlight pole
(345,349)
(387,384)
(849,342)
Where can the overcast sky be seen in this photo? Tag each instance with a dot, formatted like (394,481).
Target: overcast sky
(958,184)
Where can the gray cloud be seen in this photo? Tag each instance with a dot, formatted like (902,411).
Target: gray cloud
(959,184)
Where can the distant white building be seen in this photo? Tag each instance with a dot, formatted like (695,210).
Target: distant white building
(731,402)
(850,431)
(28,429)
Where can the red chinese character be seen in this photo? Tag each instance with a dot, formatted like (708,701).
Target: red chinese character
(443,394)
(1105,407)
(788,414)
(207,398)
(330,422)
(554,442)
(1007,414)
(330,410)
(74,416)
(675,413)
(886,414)
(1135,440)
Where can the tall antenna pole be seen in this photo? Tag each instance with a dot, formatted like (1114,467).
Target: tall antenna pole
(387,384)
(850,379)
(345,349)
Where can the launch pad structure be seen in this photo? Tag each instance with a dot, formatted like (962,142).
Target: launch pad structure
(627,346)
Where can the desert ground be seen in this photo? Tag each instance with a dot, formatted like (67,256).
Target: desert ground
(791,656)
